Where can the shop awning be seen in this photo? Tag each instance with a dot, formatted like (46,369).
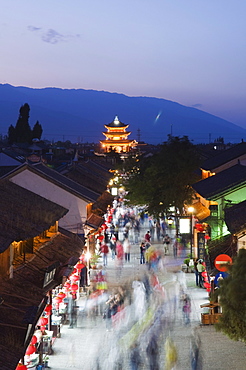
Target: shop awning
(94,221)
(200,211)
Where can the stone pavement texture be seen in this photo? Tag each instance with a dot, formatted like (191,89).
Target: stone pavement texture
(90,346)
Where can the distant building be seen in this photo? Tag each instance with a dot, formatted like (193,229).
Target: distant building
(117,138)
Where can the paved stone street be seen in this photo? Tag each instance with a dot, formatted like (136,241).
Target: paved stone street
(90,346)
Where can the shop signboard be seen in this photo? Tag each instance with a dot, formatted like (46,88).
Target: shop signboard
(201,245)
(50,274)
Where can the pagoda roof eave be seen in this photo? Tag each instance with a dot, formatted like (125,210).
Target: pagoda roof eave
(116,133)
(110,126)
(117,142)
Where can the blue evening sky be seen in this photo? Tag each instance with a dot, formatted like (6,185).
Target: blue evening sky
(189,51)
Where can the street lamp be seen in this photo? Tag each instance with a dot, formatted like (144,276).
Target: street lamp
(191,210)
(170,222)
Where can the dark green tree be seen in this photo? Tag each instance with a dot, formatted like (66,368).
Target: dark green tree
(37,131)
(11,135)
(232,295)
(23,130)
(165,179)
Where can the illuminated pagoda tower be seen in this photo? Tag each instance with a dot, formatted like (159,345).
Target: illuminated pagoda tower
(117,137)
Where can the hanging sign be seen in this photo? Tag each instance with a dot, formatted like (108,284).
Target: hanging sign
(201,245)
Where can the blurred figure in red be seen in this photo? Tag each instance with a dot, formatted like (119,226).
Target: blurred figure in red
(104,249)
(147,237)
(119,257)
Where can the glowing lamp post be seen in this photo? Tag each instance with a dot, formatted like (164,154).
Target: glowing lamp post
(170,222)
(191,210)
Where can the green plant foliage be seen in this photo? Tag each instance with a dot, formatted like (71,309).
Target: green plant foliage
(37,131)
(22,132)
(187,261)
(94,259)
(232,295)
(165,179)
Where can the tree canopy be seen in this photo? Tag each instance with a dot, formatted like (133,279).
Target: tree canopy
(165,179)
(232,295)
(22,132)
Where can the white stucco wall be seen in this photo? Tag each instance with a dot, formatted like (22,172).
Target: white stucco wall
(76,216)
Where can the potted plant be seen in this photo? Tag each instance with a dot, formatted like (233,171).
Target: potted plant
(185,265)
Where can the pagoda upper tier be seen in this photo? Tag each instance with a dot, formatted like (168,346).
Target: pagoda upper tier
(117,137)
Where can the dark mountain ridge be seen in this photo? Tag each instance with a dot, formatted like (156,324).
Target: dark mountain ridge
(80,115)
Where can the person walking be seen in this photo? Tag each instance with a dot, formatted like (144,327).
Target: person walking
(186,309)
(152,352)
(142,253)
(147,237)
(166,242)
(195,355)
(200,269)
(127,248)
(113,246)
(158,230)
(119,258)
(105,250)
(72,311)
(171,354)
(196,272)
(135,357)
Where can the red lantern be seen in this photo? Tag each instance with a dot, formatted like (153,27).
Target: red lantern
(207,286)
(199,227)
(74,287)
(61,295)
(82,257)
(207,237)
(21,367)
(48,308)
(74,271)
(58,300)
(67,284)
(30,350)
(79,266)
(34,339)
(43,321)
(101,237)
(74,278)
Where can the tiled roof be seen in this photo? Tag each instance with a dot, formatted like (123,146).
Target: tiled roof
(224,156)
(95,179)
(102,203)
(25,292)
(64,181)
(235,217)
(116,123)
(94,221)
(212,187)
(13,154)
(58,179)
(24,214)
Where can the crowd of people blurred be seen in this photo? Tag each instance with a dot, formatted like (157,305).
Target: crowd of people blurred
(139,310)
